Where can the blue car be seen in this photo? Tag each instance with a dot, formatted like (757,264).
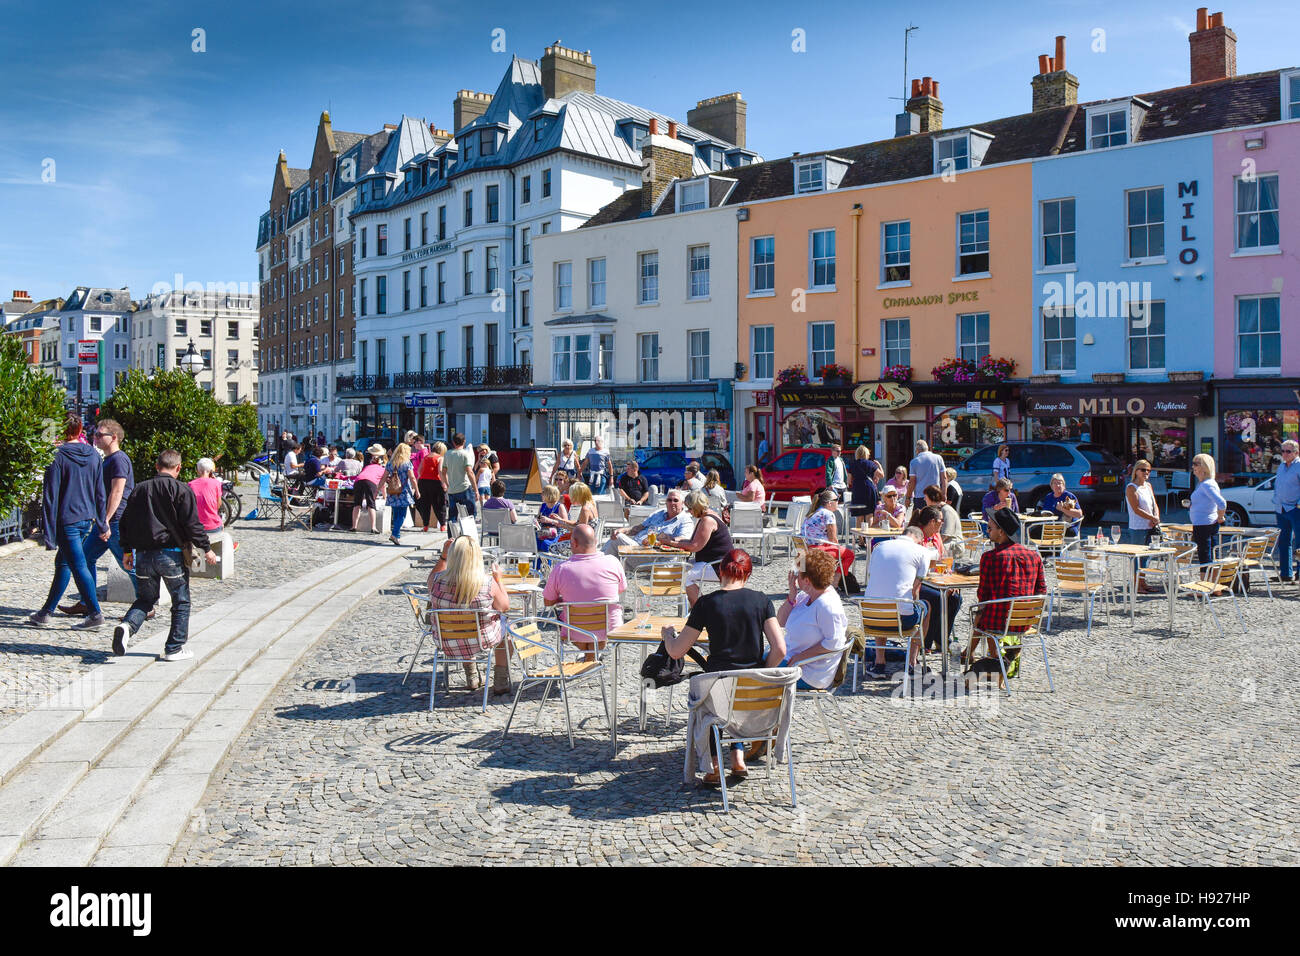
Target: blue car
(666,468)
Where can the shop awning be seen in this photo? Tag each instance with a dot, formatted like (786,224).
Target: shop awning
(715,394)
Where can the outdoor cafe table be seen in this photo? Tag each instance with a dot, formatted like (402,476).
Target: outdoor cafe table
(1223,529)
(648,638)
(870,533)
(1134,553)
(529,588)
(944,582)
(336,485)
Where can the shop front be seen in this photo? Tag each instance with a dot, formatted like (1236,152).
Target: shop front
(626,417)
(1152,421)
(889,417)
(1254,418)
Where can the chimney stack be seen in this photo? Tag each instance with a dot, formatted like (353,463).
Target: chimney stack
(925,104)
(721,116)
(467,107)
(666,158)
(440,136)
(21,295)
(565,70)
(1054,85)
(1214,48)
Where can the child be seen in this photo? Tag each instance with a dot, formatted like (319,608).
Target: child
(498,500)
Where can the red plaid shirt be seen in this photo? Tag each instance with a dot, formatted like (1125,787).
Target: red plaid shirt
(1009,570)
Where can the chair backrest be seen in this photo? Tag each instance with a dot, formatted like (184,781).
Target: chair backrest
(880,616)
(418,598)
(461,510)
(589,615)
(653,501)
(731,497)
(264,485)
(494,519)
(1227,572)
(517,538)
(609,510)
(456,624)
(1072,571)
(969,528)
(1026,613)
(670,575)
(752,695)
(1254,548)
(794,515)
(1053,533)
(527,641)
(746,520)
(468,526)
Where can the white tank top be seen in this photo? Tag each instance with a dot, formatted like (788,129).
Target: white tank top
(1147,500)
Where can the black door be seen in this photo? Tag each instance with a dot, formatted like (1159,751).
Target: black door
(498,431)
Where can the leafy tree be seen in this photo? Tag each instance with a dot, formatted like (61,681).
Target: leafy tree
(243,436)
(31,418)
(168,410)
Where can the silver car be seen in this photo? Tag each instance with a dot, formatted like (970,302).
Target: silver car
(1092,474)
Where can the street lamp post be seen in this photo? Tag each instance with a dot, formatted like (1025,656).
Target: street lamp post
(191,361)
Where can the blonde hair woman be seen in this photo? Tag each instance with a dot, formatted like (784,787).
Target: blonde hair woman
(409,490)
(1208,508)
(1143,513)
(465,585)
(583,504)
(566,461)
(717,495)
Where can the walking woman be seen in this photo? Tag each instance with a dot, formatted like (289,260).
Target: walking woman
(432,502)
(1208,508)
(408,489)
(566,463)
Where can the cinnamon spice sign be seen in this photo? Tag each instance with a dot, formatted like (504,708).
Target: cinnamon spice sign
(882,395)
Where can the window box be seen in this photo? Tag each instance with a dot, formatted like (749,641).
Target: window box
(897,373)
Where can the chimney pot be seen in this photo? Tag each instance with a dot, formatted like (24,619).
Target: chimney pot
(925,85)
(916,87)
(654,126)
(924,103)
(934,89)
(1043,63)
(1202,18)
(672,129)
(1059,60)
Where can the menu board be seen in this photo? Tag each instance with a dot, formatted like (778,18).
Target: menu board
(539,473)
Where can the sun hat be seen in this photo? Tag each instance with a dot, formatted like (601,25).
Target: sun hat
(376,449)
(1007,521)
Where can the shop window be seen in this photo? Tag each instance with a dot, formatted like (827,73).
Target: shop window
(808,426)
(1060,429)
(957,434)
(1163,442)
(1252,439)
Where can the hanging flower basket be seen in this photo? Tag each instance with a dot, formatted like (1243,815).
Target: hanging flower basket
(897,373)
(993,369)
(792,376)
(954,371)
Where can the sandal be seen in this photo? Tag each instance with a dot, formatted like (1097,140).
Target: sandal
(711,779)
(734,774)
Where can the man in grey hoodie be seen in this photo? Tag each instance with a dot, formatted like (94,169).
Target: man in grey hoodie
(73,510)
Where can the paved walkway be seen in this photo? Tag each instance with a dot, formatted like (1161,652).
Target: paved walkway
(1152,751)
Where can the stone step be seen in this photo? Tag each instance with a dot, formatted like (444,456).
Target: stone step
(108,779)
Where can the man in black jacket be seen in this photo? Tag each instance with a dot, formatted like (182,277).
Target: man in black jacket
(161,517)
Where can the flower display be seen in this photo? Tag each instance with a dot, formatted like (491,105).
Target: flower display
(794,375)
(831,370)
(897,373)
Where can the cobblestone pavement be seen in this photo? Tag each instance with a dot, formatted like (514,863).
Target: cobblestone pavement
(36,661)
(1152,750)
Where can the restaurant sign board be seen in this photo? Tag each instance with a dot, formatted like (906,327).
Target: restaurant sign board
(882,395)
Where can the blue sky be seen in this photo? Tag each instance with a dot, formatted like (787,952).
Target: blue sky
(162,157)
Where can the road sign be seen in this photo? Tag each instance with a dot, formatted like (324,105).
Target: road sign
(312,410)
(418,400)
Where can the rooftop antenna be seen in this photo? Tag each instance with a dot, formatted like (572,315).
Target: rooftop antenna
(907,35)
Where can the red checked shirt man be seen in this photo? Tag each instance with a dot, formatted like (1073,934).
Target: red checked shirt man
(1009,570)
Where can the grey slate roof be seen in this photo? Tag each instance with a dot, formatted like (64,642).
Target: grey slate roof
(591,318)
(93,300)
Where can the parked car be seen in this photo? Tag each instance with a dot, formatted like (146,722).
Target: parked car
(1250,504)
(795,472)
(389,441)
(1092,474)
(665,467)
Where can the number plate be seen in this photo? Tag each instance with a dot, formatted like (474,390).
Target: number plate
(1108,479)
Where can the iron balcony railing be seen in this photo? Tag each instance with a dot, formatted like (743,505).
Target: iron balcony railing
(478,376)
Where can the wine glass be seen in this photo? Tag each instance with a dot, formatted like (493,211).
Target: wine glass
(1114,533)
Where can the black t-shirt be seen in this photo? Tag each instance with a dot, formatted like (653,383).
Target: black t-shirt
(633,487)
(118,465)
(733,622)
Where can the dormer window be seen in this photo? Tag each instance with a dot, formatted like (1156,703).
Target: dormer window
(952,153)
(1291,95)
(540,126)
(1108,127)
(487,142)
(693,195)
(809,176)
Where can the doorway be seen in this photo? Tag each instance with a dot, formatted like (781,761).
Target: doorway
(899,447)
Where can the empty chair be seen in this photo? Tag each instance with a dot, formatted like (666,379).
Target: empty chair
(1075,578)
(660,580)
(268,498)
(786,532)
(1216,585)
(610,511)
(493,519)
(539,645)
(820,696)
(747,525)
(517,539)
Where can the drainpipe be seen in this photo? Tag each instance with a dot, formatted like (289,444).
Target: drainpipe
(856,213)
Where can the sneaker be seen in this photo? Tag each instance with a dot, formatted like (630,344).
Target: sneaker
(121,638)
(40,618)
(89,623)
(874,671)
(181,654)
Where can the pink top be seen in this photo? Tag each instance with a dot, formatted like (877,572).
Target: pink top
(417,456)
(588,577)
(207,493)
(757,488)
(374,474)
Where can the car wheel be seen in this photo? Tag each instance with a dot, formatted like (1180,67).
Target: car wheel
(1236,516)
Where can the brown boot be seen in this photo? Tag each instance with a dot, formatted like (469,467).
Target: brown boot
(501,679)
(472,679)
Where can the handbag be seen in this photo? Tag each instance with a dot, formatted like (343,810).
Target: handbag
(393,486)
(666,671)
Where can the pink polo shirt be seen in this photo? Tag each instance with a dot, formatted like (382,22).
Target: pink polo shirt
(207,496)
(373,473)
(588,577)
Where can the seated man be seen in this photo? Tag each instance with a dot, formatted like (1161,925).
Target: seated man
(498,500)
(350,466)
(894,574)
(1009,570)
(670,521)
(1064,504)
(587,576)
(290,464)
(632,488)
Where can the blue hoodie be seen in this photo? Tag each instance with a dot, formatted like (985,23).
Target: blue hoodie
(74,490)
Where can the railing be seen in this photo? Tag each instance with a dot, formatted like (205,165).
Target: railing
(478,376)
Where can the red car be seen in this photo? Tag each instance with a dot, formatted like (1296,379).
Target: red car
(798,471)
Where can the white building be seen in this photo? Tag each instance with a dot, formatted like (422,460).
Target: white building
(445,285)
(99,320)
(636,312)
(222,328)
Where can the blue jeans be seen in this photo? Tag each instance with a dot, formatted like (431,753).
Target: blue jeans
(152,570)
(468,498)
(96,547)
(1289,522)
(74,540)
(399,518)
(598,480)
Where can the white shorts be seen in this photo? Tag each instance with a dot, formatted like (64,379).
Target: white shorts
(699,572)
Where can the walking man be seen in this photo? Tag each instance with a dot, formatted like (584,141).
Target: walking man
(119,479)
(926,469)
(1286,505)
(72,512)
(458,473)
(162,517)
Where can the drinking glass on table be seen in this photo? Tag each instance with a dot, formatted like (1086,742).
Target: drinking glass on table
(651,540)
(523,567)
(1115,533)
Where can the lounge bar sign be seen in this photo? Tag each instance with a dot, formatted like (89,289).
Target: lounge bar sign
(882,395)
(1159,404)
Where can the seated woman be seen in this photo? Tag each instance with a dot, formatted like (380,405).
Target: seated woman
(1000,497)
(752,489)
(464,584)
(207,494)
(497,500)
(890,513)
(821,525)
(813,617)
(717,494)
(582,507)
(736,619)
(562,482)
(899,480)
(548,529)
(710,543)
